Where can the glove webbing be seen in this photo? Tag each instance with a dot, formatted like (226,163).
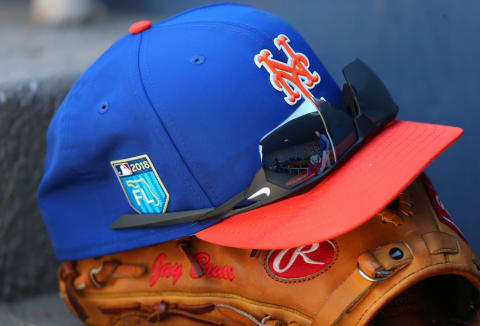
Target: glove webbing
(152,313)
(158,312)
(99,277)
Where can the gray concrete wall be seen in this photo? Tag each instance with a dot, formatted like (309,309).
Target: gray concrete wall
(27,263)
(43,310)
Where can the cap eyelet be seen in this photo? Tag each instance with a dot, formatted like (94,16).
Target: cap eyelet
(103,108)
(396,253)
(197,60)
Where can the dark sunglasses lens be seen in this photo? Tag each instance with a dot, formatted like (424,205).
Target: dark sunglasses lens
(373,97)
(318,136)
(297,151)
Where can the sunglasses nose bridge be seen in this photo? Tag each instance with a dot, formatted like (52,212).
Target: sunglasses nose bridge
(349,100)
(363,125)
(318,104)
(350,104)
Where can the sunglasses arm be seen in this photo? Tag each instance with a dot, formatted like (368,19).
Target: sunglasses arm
(129,221)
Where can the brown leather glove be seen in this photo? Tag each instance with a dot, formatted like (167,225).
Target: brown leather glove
(406,266)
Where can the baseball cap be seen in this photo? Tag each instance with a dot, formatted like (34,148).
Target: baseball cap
(169,119)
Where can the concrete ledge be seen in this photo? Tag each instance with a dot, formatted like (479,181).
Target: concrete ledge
(27,263)
(46,310)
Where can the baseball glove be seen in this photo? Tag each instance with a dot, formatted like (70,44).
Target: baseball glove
(408,265)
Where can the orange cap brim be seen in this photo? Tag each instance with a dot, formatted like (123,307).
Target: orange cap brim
(351,195)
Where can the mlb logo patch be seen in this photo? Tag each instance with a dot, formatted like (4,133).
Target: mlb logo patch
(123,169)
(141,184)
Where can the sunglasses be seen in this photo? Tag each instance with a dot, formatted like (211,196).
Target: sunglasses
(311,143)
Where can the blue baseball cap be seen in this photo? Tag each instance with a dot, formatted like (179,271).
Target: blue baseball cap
(168,119)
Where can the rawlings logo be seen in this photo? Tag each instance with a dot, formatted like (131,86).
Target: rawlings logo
(292,77)
(300,263)
(163,269)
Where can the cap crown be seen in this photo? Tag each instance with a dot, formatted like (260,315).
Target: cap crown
(188,94)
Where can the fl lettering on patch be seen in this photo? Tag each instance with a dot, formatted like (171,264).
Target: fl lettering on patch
(141,184)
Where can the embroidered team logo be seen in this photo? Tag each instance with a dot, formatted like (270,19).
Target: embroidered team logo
(300,263)
(293,78)
(141,184)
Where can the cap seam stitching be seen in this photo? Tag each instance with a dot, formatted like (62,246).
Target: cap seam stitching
(206,185)
(165,128)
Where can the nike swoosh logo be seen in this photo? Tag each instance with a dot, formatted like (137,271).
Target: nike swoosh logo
(262,191)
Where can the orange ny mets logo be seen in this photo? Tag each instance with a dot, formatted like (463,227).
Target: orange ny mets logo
(292,77)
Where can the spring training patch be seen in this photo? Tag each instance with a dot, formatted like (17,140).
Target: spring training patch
(141,184)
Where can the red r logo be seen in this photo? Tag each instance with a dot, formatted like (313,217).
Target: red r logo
(300,263)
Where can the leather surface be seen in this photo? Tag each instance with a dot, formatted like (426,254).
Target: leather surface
(159,284)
